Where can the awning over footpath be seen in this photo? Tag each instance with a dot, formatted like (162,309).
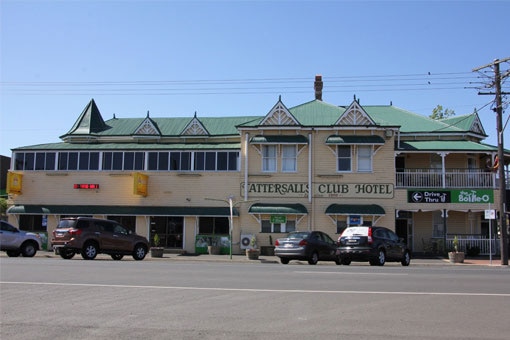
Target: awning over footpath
(293,139)
(119,210)
(355,209)
(278,208)
(336,139)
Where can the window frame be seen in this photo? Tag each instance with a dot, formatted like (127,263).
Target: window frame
(344,157)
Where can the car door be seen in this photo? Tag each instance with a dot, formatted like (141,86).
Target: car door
(396,245)
(390,244)
(8,235)
(329,247)
(121,238)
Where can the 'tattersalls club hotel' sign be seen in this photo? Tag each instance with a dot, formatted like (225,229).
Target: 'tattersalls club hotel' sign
(334,190)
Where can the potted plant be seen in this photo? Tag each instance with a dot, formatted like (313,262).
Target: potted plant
(156,250)
(456,256)
(253,252)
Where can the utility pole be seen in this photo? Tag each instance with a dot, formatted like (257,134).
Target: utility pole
(501,156)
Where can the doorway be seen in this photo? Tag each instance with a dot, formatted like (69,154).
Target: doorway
(404,227)
(169,229)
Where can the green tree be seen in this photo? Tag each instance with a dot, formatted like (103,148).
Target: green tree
(440,113)
(3,206)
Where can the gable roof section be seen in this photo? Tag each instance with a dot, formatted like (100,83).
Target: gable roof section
(174,127)
(148,128)
(89,122)
(470,123)
(195,128)
(279,115)
(355,115)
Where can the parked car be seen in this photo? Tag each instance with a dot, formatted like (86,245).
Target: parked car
(311,246)
(377,245)
(15,242)
(90,236)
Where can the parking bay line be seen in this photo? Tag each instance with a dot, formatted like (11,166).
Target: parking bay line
(300,291)
(348,273)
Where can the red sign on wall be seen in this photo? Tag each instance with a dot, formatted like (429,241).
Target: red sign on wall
(86,186)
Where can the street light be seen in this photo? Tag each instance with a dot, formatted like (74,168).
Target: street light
(231,204)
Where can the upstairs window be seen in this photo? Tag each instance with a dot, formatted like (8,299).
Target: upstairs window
(269,158)
(364,158)
(289,158)
(344,158)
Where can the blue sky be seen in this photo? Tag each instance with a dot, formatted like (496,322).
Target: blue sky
(226,58)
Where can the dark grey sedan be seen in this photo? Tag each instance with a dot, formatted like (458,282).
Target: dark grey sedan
(311,246)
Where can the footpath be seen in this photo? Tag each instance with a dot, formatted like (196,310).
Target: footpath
(436,261)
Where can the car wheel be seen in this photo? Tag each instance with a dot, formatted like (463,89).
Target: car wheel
(284,260)
(28,249)
(66,254)
(314,258)
(89,251)
(380,260)
(139,252)
(338,260)
(406,260)
(346,261)
(13,253)
(117,257)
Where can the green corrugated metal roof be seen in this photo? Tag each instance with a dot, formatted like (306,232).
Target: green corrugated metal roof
(336,139)
(444,146)
(131,146)
(462,122)
(408,121)
(317,113)
(278,208)
(355,209)
(119,210)
(294,139)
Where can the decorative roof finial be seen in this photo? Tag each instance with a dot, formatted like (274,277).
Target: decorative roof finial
(195,116)
(147,113)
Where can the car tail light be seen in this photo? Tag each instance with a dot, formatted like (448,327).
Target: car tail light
(276,243)
(75,232)
(303,243)
(370,240)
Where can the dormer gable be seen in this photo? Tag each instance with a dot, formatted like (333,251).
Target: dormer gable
(148,127)
(477,126)
(467,123)
(355,115)
(195,128)
(279,115)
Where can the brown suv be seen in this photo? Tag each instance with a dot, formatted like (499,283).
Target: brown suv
(91,236)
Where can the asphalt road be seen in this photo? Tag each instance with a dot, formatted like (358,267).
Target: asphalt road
(52,298)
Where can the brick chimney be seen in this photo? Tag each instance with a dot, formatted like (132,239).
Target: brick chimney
(318,87)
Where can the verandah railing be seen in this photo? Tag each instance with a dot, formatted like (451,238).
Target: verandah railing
(451,178)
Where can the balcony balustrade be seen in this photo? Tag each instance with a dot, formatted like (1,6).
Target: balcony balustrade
(451,178)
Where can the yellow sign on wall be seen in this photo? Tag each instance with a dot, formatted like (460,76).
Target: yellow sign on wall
(14,183)
(140,184)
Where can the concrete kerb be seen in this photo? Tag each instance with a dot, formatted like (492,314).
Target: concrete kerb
(438,261)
